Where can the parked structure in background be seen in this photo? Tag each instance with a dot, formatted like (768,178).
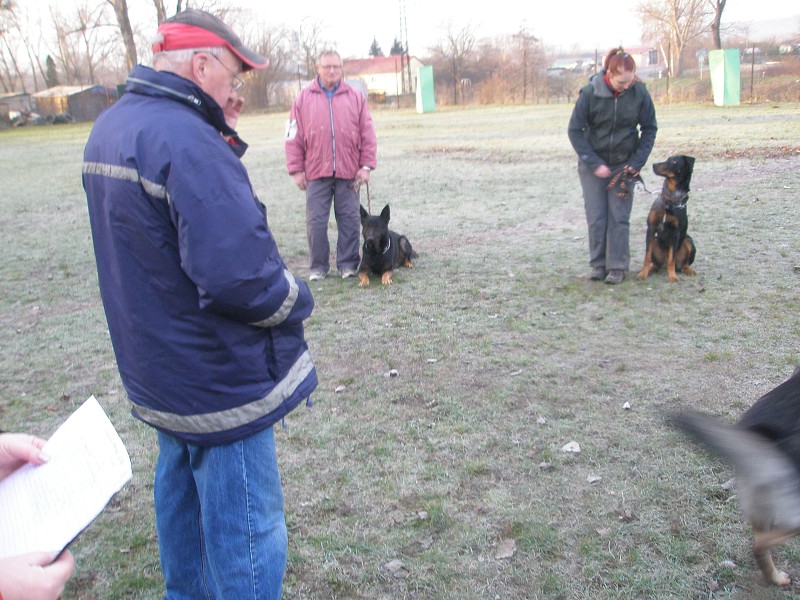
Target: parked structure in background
(14,105)
(81,103)
(386,77)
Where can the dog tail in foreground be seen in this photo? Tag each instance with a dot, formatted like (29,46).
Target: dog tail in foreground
(745,450)
(767,481)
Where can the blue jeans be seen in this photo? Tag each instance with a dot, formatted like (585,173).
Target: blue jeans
(219,515)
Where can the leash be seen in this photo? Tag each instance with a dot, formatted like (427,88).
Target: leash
(357,188)
(622,179)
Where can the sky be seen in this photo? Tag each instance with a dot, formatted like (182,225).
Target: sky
(589,24)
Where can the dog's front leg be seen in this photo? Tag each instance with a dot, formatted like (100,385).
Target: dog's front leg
(671,274)
(363,279)
(648,260)
(386,278)
(762,551)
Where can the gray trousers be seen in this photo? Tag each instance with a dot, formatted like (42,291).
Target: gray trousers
(319,195)
(608,217)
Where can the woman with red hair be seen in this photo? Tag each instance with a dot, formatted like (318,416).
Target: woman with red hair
(612,129)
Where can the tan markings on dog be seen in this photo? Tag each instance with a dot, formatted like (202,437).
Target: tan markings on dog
(363,279)
(671,274)
(386,278)
(762,551)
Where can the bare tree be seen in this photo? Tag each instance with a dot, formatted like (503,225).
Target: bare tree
(309,44)
(264,84)
(10,34)
(527,54)
(161,11)
(124,22)
(718,6)
(672,24)
(455,50)
(86,41)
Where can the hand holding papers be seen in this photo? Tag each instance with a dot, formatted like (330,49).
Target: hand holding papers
(43,507)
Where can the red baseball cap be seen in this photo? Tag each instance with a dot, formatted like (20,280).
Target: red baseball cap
(194,28)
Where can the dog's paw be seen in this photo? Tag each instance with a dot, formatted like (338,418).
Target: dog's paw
(363,280)
(386,278)
(779,578)
(672,277)
(688,271)
(642,275)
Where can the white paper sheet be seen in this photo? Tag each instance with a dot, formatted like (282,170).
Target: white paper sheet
(42,508)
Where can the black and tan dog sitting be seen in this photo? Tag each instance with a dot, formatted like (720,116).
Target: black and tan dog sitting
(764,449)
(384,250)
(667,241)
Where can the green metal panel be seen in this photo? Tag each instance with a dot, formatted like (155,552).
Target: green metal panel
(426,101)
(723,65)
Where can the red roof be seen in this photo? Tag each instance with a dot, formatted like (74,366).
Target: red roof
(377,65)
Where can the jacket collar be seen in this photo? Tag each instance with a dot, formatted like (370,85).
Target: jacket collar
(164,84)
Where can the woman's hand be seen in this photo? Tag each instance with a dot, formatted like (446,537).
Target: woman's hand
(36,576)
(16,449)
(603,172)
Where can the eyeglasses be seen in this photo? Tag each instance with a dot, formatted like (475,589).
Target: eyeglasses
(236,81)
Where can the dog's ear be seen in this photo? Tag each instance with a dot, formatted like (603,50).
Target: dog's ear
(364,214)
(689,161)
(385,213)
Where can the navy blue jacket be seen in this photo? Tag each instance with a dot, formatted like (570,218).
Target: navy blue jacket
(205,319)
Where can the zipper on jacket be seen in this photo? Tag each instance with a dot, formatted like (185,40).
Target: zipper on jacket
(188,97)
(333,133)
(613,129)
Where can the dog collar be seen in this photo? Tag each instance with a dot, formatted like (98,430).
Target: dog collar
(389,245)
(674,200)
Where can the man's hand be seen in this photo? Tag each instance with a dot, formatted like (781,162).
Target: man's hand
(232,110)
(300,180)
(362,176)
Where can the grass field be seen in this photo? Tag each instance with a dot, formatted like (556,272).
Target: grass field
(449,480)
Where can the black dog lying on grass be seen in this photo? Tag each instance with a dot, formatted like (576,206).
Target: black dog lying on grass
(667,241)
(383,250)
(764,448)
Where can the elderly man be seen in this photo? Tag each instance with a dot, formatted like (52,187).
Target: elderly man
(205,319)
(330,151)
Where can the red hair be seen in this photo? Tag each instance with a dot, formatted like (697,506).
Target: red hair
(617,61)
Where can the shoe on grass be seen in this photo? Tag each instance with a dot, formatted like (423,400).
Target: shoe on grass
(615,276)
(348,273)
(316,276)
(598,273)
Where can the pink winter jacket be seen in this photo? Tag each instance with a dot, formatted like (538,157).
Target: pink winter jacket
(325,138)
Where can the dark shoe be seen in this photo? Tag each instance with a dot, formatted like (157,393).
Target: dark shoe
(615,276)
(598,274)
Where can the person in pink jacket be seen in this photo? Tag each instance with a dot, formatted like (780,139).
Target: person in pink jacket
(330,150)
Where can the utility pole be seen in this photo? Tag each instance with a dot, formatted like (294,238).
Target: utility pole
(405,73)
